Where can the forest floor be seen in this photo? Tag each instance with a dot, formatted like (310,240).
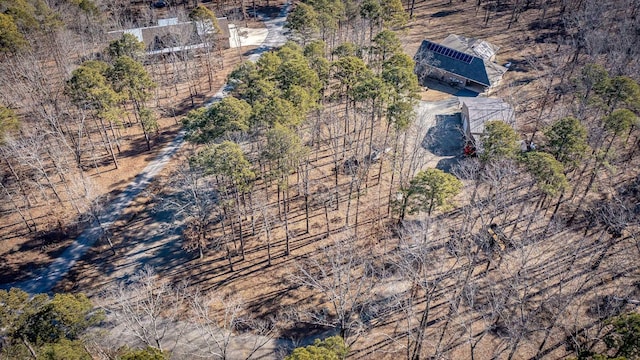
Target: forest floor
(149,235)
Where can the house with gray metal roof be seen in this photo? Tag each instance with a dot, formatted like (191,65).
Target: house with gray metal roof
(172,35)
(476,111)
(460,62)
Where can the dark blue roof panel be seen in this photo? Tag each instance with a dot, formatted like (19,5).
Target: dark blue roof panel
(453,61)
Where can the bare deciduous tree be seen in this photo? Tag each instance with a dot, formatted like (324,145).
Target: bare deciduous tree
(345,278)
(194,202)
(147,307)
(224,329)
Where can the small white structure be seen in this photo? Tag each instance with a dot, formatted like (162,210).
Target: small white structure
(476,111)
(168,22)
(475,47)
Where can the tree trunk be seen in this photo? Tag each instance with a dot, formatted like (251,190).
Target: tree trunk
(18,180)
(326,217)
(146,137)
(268,233)
(355,231)
(110,147)
(422,328)
(239,222)
(26,223)
(393,171)
(229,258)
(306,212)
(28,345)
(346,218)
(286,230)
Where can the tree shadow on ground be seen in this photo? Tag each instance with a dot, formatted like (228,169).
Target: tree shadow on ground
(445,13)
(520,65)
(270,11)
(305,333)
(448,164)
(445,138)
(187,103)
(257,51)
(44,246)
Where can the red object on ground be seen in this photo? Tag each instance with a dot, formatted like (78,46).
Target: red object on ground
(469,150)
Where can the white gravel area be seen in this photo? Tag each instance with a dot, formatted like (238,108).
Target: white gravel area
(240,36)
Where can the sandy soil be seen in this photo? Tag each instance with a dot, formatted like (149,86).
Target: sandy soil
(266,288)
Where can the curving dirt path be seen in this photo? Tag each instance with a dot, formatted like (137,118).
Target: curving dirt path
(46,278)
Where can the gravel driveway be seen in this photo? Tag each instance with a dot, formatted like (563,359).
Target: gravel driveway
(439,128)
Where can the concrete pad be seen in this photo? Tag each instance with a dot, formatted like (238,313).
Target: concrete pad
(438,134)
(240,36)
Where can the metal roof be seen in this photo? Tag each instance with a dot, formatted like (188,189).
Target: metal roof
(476,47)
(483,109)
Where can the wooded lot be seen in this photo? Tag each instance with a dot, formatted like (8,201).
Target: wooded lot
(324,204)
